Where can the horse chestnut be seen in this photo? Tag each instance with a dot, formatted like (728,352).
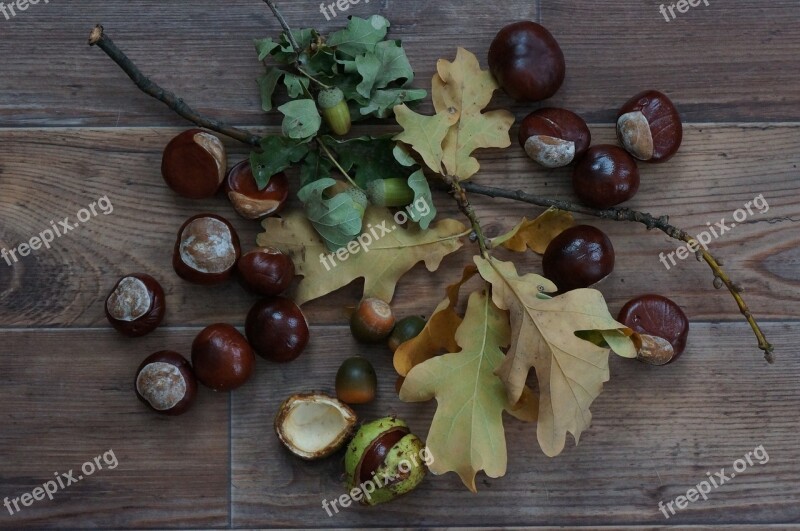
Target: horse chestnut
(277,329)
(136,305)
(248,200)
(266,271)
(206,250)
(527,61)
(649,127)
(658,316)
(578,257)
(166,383)
(554,137)
(222,358)
(194,164)
(605,176)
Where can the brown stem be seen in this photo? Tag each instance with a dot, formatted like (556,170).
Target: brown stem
(101,40)
(285,26)
(649,221)
(458,193)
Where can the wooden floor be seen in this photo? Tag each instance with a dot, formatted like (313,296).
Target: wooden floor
(74,129)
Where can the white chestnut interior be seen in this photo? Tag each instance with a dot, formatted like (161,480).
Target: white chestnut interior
(161,384)
(213,145)
(130,300)
(549,151)
(634,132)
(314,424)
(207,246)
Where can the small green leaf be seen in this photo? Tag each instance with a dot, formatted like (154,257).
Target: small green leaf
(403,155)
(383,102)
(314,168)
(302,119)
(265,47)
(368,66)
(267,83)
(367,158)
(277,154)
(422,210)
(394,65)
(360,36)
(337,219)
(296,85)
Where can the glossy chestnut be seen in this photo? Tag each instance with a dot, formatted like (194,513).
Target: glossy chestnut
(605,176)
(649,127)
(222,358)
(277,329)
(266,271)
(527,61)
(554,137)
(578,257)
(206,250)
(250,202)
(166,383)
(194,164)
(136,305)
(658,316)
(372,321)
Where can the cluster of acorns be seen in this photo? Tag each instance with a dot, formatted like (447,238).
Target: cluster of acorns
(528,63)
(207,252)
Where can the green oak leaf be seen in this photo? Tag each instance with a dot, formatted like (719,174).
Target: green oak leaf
(301,119)
(394,65)
(367,158)
(368,66)
(265,47)
(267,84)
(296,85)
(337,219)
(277,154)
(314,168)
(360,36)
(422,210)
(382,102)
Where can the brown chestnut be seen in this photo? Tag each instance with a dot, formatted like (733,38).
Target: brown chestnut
(166,383)
(578,257)
(605,176)
(649,127)
(554,137)
(136,305)
(248,200)
(194,164)
(222,358)
(527,61)
(206,250)
(277,329)
(266,271)
(372,321)
(658,316)
(356,381)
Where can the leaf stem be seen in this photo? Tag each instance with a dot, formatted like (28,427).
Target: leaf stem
(335,162)
(101,40)
(460,195)
(651,222)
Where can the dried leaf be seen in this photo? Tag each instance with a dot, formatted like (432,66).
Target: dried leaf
(439,334)
(570,371)
(381,255)
(466,433)
(536,234)
(425,134)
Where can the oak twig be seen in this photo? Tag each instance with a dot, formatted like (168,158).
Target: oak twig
(458,193)
(101,40)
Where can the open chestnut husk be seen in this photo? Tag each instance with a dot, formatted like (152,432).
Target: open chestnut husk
(206,250)
(194,164)
(655,318)
(314,425)
(527,61)
(250,202)
(277,329)
(578,257)
(136,305)
(554,137)
(166,383)
(649,127)
(605,176)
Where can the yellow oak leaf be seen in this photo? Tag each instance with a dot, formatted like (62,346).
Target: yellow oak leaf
(439,334)
(466,433)
(447,140)
(536,234)
(381,255)
(570,371)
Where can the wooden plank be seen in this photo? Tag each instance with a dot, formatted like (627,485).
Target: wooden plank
(655,433)
(201,50)
(67,396)
(50,174)
(725,61)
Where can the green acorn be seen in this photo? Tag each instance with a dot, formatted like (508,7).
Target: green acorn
(335,110)
(357,194)
(384,461)
(390,193)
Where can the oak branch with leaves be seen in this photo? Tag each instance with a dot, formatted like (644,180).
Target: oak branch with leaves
(476,365)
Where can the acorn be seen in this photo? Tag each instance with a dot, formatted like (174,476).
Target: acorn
(385,460)
(390,192)
(335,110)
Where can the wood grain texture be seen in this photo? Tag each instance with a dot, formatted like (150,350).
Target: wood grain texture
(655,433)
(718,170)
